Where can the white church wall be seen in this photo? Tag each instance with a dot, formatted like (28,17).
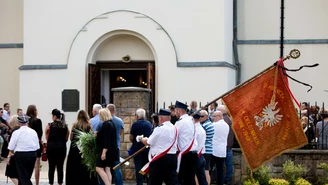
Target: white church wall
(191,24)
(53,35)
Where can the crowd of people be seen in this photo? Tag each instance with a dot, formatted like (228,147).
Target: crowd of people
(185,145)
(314,122)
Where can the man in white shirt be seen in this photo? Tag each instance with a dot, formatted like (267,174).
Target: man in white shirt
(23,144)
(162,153)
(187,145)
(6,112)
(200,137)
(220,139)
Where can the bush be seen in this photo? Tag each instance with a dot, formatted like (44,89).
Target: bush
(292,172)
(263,175)
(249,182)
(302,181)
(278,182)
(324,178)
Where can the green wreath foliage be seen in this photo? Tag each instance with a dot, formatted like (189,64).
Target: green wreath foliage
(86,143)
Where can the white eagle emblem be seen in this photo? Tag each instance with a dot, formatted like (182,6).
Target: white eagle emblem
(269,116)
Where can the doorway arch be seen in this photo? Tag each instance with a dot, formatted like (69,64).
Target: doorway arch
(82,51)
(110,68)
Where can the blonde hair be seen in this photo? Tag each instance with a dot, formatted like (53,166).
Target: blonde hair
(105,114)
(13,121)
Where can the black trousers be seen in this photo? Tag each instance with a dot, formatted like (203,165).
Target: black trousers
(56,159)
(25,165)
(219,162)
(164,170)
(200,170)
(188,168)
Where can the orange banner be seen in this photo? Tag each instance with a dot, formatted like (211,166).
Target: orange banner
(264,128)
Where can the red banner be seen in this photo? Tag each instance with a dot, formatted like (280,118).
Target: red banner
(264,127)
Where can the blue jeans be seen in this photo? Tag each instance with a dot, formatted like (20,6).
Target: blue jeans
(118,175)
(229,167)
(139,161)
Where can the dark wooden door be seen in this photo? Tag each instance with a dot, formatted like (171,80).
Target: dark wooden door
(151,84)
(94,86)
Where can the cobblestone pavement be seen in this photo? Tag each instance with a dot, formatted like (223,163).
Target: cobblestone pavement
(43,175)
(3,182)
(46,183)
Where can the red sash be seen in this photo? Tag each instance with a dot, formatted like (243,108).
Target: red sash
(186,151)
(200,152)
(145,169)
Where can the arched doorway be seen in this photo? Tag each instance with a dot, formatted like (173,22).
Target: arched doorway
(120,61)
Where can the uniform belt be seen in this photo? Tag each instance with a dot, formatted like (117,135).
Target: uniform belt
(194,152)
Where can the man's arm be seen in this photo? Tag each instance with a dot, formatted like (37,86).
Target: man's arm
(144,141)
(132,132)
(131,138)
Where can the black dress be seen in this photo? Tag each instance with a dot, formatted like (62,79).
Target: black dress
(106,138)
(11,169)
(36,124)
(76,172)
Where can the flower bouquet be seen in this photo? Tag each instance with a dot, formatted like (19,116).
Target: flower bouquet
(86,143)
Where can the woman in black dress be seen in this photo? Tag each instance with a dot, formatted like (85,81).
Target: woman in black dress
(11,171)
(76,172)
(36,124)
(107,147)
(57,135)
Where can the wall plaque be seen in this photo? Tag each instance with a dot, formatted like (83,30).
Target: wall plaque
(70,100)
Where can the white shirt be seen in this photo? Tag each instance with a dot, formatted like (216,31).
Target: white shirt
(24,139)
(200,137)
(6,116)
(162,138)
(186,130)
(220,138)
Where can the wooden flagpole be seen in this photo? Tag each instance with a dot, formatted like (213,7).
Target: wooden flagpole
(294,54)
(130,157)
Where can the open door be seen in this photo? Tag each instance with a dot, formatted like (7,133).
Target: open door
(94,86)
(151,84)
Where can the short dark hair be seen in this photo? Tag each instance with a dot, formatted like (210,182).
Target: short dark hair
(171,107)
(155,118)
(4,105)
(305,103)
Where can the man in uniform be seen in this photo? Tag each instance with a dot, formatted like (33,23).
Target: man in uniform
(187,145)
(162,153)
(200,137)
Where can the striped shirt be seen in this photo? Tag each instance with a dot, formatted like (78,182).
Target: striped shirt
(209,129)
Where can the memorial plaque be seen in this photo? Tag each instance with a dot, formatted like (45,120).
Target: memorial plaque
(70,100)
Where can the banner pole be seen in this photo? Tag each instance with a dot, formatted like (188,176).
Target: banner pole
(294,54)
(130,157)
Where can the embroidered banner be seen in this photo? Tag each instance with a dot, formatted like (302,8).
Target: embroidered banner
(265,121)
